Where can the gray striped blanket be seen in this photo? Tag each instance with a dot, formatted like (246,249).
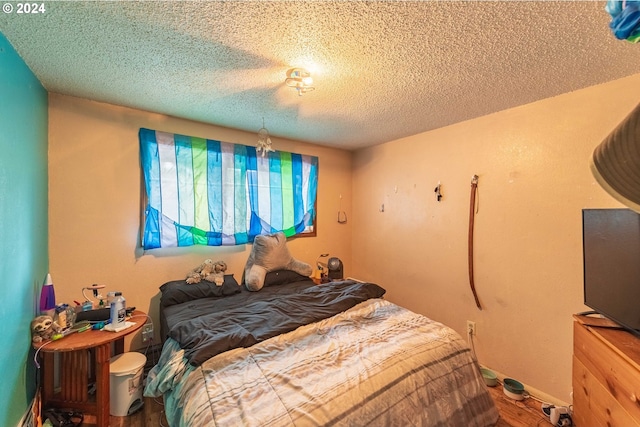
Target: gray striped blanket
(376,364)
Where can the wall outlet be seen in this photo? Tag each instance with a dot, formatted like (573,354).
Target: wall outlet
(147,332)
(471,328)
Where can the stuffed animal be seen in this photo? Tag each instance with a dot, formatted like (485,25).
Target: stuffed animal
(270,253)
(43,328)
(209,271)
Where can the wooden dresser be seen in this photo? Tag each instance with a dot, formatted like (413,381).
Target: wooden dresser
(606,375)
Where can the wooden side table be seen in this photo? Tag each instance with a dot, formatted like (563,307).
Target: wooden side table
(82,356)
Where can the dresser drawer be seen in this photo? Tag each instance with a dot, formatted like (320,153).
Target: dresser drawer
(593,405)
(606,385)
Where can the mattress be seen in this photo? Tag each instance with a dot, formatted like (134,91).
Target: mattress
(369,362)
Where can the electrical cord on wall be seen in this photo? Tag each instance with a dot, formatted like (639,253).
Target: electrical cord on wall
(35,356)
(471,343)
(143,315)
(150,340)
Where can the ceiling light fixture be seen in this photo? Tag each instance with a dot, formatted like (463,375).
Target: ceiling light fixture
(264,142)
(300,79)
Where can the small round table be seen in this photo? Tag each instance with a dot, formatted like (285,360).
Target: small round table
(83,356)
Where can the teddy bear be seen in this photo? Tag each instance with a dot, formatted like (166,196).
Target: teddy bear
(43,328)
(270,253)
(209,271)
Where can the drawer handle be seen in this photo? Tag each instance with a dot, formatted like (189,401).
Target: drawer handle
(634,399)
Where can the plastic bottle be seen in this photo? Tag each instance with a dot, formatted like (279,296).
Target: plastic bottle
(61,312)
(118,311)
(110,297)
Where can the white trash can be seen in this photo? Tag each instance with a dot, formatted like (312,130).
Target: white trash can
(125,382)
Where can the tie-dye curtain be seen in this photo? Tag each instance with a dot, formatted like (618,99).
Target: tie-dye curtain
(205,192)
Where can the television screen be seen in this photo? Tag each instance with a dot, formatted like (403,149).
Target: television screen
(611,249)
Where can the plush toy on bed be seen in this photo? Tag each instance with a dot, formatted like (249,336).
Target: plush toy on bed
(270,253)
(209,271)
(43,328)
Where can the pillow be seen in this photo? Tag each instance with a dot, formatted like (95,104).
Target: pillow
(269,252)
(179,291)
(282,277)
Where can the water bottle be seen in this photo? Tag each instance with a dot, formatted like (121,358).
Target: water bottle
(118,311)
(110,297)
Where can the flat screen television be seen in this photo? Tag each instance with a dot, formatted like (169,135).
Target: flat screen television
(611,256)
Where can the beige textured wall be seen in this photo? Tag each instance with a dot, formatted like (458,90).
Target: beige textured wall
(534,179)
(94,203)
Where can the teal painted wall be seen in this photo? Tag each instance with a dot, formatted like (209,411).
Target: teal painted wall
(23,225)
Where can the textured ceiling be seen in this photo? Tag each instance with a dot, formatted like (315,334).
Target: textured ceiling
(382,70)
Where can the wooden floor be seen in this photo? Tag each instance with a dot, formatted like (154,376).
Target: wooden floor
(526,413)
(151,415)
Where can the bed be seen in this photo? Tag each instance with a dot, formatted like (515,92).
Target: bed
(300,354)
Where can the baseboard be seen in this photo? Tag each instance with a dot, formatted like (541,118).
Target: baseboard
(538,394)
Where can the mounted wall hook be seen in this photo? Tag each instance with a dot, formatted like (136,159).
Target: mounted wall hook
(437,191)
(342,215)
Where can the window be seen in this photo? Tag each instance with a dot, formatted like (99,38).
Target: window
(204,192)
